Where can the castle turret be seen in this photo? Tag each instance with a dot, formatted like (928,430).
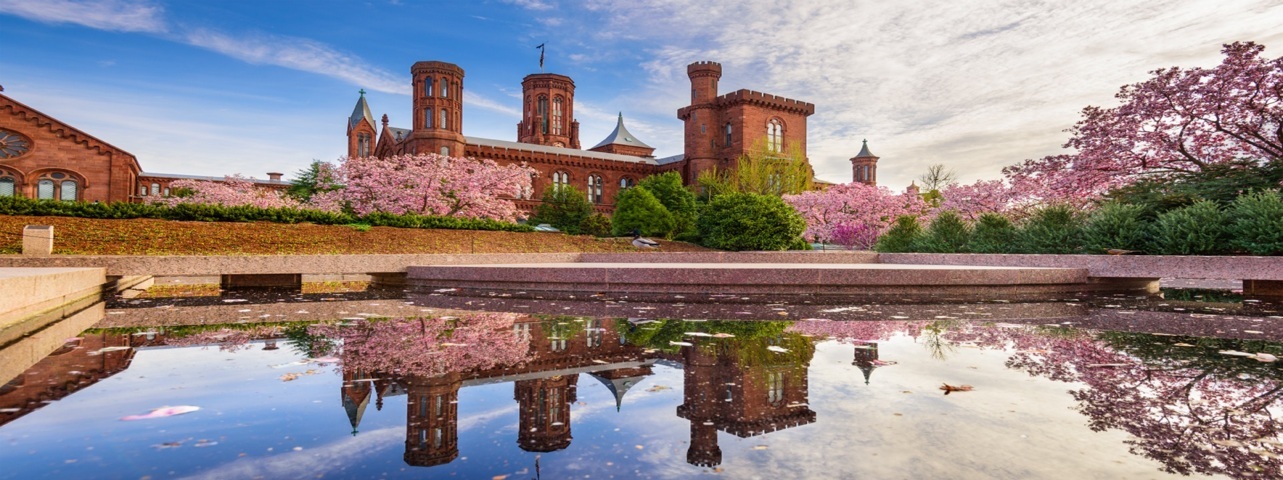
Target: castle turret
(548,111)
(864,166)
(438,108)
(432,419)
(704,125)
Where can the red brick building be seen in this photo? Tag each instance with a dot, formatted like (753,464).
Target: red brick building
(719,129)
(44,158)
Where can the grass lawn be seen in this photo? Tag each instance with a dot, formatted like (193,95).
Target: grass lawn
(84,236)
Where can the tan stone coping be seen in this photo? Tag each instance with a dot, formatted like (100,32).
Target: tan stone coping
(1114,266)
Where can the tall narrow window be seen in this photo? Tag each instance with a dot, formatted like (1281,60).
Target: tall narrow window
(8,186)
(427,86)
(775,387)
(728,134)
(560,179)
(445,88)
(68,191)
(427,118)
(44,189)
(142,190)
(626,183)
(556,116)
(543,115)
(775,135)
(155,189)
(445,123)
(594,188)
(363,145)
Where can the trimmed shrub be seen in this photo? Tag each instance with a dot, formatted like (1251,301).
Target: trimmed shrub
(637,209)
(947,234)
(901,236)
(597,225)
(1257,225)
(992,233)
(746,221)
(565,208)
(1051,229)
(1198,229)
(1116,226)
(219,213)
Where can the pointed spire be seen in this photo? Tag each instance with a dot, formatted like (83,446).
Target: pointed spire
(621,136)
(864,151)
(618,386)
(362,110)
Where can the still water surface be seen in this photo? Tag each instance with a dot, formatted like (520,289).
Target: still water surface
(1070,388)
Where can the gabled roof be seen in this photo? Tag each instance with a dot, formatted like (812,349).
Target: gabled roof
(621,136)
(362,110)
(64,130)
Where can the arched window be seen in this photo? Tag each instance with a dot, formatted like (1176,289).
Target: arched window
(556,116)
(445,88)
(594,188)
(362,147)
(775,135)
(445,151)
(427,87)
(155,189)
(58,186)
(8,184)
(775,387)
(427,118)
(543,115)
(445,123)
(626,182)
(142,190)
(728,134)
(44,189)
(560,179)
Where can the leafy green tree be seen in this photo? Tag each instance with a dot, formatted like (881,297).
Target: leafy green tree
(565,208)
(992,233)
(307,181)
(746,221)
(637,209)
(680,201)
(762,172)
(901,236)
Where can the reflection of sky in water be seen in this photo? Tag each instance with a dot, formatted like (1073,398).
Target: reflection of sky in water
(899,426)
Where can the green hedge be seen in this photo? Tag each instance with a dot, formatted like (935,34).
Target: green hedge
(219,213)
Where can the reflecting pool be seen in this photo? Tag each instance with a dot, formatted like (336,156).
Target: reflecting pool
(490,386)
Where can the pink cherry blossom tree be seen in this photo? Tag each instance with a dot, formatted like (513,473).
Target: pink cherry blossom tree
(1178,121)
(428,184)
(849,206)
(235,190)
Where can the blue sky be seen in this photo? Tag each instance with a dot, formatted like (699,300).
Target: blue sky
(222,87)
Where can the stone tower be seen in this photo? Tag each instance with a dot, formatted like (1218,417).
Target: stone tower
(360,130)
(432,418)
(438,108)
(864,166)
(548,111)
(703,122)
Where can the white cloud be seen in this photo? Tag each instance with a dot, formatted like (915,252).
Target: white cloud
(530,4)
(113,15)
(972,85)
(299,54)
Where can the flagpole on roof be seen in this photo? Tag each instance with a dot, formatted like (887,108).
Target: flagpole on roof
(541,52)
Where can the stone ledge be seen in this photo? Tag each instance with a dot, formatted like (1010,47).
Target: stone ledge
(1115,266)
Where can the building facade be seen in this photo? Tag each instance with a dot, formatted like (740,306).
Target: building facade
(719,129)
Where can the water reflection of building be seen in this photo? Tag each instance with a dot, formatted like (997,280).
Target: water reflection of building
(544,387)
(866,358)
(744,388)
(81,362)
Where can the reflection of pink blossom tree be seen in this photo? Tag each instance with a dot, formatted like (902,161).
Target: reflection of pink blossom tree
(227,339)
(852,331)
(427,346)
(1193,414)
